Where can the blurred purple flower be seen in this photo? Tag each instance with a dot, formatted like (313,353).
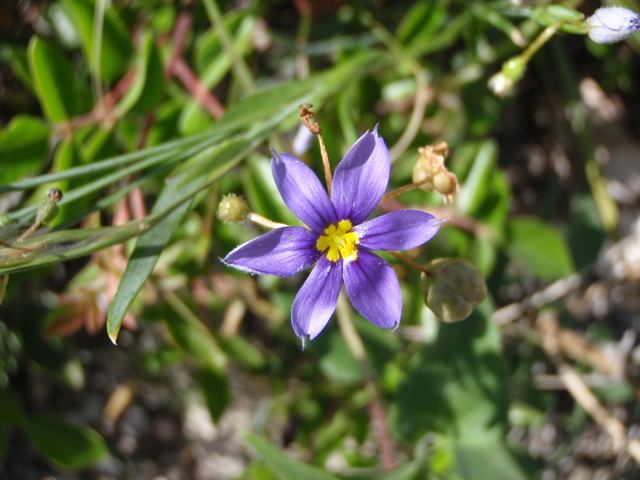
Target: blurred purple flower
(338,238)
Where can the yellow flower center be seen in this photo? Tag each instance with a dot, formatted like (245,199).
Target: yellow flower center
(339,241)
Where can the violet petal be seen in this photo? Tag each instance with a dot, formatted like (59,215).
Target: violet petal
(361,178)
(302,192)
(284,251)
(373,289)
(399,230)
(316,300)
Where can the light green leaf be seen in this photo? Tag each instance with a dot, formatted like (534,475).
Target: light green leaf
(53,80)
(148,86)
(116,41)
(540,247)
(23,148)
(66,443)
(476,185)
(192,336)
(287,468)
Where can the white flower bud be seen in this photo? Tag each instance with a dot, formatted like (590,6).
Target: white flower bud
(612,24)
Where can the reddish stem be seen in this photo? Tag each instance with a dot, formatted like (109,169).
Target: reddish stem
(379,424)
(196,88)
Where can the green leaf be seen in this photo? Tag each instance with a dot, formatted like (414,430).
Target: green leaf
(287,468)
(192,336)
(243,352)
(16,56)
(540,247)
(67,444)
(144,257)
(23,148)
(458,386)
(148,85)
(116,41)
(53,80)
(476,185)
(215,388)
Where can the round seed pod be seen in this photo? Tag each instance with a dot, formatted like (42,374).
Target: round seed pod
(454,287)
(233,209)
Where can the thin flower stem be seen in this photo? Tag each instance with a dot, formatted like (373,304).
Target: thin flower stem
(401,190)
(238,64)
(410,262)
(543,38)
(325,162)
(350,334)
(265,222)
(196,88)
(376,410)
(96,51)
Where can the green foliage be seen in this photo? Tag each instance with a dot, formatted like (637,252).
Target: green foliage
(23,148)
(66,443)
(53,80)
(95,104)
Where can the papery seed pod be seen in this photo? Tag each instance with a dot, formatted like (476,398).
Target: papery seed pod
(430,169)
(454,287)
(612,24)
(233,209)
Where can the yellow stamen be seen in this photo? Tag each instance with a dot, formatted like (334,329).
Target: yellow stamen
(339,241)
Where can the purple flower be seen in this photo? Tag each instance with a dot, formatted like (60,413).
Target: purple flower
(338,238)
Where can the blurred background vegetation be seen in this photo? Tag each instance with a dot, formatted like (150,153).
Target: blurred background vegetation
(145,112)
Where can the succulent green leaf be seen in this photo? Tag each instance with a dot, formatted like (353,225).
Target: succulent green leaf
(23,148)
(53,80)
(287,468)
(540,247)
(116,42)
(148,86)
(67,444)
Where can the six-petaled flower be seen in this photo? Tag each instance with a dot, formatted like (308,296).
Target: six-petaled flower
(339,239)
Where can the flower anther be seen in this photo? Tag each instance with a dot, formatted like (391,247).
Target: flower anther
(339,241)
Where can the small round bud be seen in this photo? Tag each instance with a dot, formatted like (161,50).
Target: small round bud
(233,209)
(612,24)
(454,287)
(502,83)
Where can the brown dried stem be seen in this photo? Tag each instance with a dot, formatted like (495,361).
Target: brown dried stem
(410,262)
(306,118)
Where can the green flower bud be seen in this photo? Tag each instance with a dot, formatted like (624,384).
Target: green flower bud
(233,209)
(49,210)
(454,287)
(502,83)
